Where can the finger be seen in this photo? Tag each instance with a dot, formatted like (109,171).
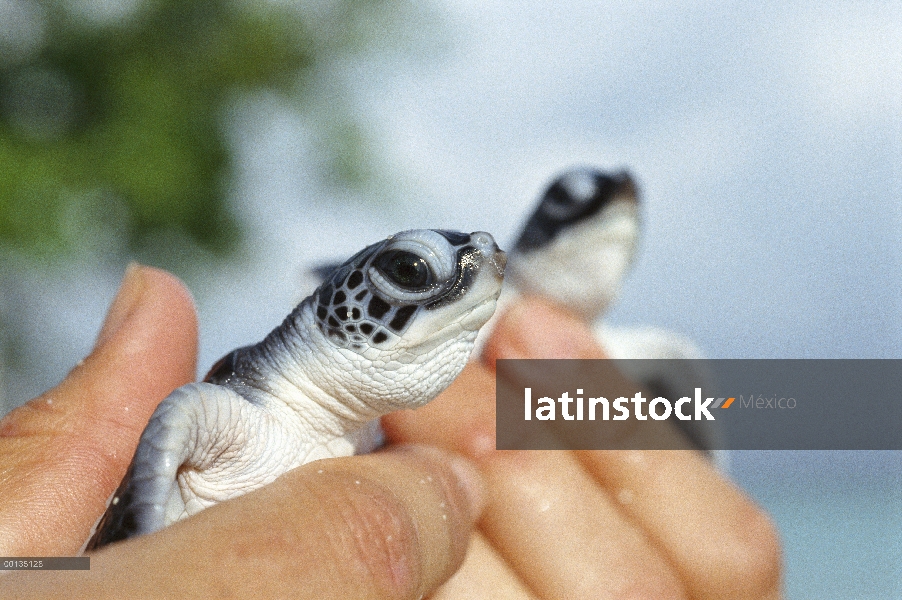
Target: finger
(722,545)
(64,452)
(534,327)
(389,525)
(549,519)
(462,418)
(484,574)
(564,536)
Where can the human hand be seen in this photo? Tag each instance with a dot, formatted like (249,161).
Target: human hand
(601,524)
(390,525)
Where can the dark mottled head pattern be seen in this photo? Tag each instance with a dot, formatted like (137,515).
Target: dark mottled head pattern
(573,197)
(353,313)
(466,271)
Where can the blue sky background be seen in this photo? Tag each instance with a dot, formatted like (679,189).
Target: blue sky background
(767,140)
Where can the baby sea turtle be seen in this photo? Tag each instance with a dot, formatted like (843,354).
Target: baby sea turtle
(575,249)
(390,329)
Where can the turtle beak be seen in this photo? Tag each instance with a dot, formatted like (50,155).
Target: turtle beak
(626,186)
(485,243)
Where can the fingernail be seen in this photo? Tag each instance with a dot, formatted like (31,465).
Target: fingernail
(466,477)
(130,291)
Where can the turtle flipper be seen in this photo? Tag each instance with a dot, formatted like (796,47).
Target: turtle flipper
(325,270)
(676,368)
(149,498)
(116,523)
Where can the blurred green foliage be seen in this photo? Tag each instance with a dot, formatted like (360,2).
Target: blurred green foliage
(118,121)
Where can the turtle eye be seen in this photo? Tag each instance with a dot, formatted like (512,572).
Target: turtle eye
(562,197)
(560,205)
(405,269)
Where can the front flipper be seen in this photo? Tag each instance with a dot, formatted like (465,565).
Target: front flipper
(325,270)
(676,369)
(189,427)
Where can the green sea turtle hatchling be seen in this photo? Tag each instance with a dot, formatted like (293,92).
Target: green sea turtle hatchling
(576,248)
(389,329)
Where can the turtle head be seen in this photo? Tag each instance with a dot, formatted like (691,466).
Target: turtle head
(414,289)
(579,197)
(580,240)
(412,303)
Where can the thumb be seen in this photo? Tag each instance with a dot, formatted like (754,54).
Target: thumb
(394,524)
(63,453)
